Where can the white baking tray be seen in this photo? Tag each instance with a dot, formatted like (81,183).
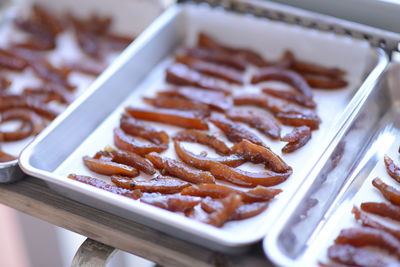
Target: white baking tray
(86,126)
(130,17)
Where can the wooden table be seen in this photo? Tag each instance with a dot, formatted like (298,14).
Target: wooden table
(32,196)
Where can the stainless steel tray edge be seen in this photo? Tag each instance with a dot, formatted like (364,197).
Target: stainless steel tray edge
(270,243)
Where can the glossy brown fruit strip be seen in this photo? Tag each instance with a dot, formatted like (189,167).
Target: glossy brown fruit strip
(246,211)
(235,176)
(389,192)
(322,82)
(382,209)
(211,69)
(311,121)
(109,168)
(178,169)
(392,169)
(5,157)
(164,185)
(297,139)
(286,76)
(260,154)
(34,122)
(233,131)
(210,205)
(367,221)
(215,100)
(272,104)
(10,61)
(176,203)
(260,120)
(49,73)
(137,128)
(362,237)
(350,255)
(180,74)
(63,95)
(125,142)
(128,158)
(220,191)
(291,96)
(16,101)
(217,56)
(184,119)
(204,138)
(135,194)
(311,68)
(178,103)
(230,204)
(248,55)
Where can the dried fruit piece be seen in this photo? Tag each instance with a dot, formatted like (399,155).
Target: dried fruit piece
(185,119)
(311,68)
(234,132)
(248,55)
(33,122)
(230,204)
(217,56)
(220,191)
(260,120)
(286,76)
(137,128)
(323,82)
(215,100)
(11,61)
(246,211)
(362,237)
(389,192)
(235,176)
(203,138)
(212,69)
(176,203)
(290,119)
(178,169)
(128,158)
(109,168)
(125,142)
(178,103)
(16,101)
(260,154)
(392,169)
(272,104)
(350,255)
(366,221)
(291,96)
(135,194)
(164,185)
(296,139)
(180,74)
(382,209)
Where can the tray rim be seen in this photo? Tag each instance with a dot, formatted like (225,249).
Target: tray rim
(127,54)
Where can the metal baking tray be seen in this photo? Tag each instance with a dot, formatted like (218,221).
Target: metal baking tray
(129,17)
(87,125)
(323,206)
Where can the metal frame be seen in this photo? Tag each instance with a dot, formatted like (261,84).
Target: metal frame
(387,40)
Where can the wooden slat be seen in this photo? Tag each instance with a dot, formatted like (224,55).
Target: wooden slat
(33,197)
